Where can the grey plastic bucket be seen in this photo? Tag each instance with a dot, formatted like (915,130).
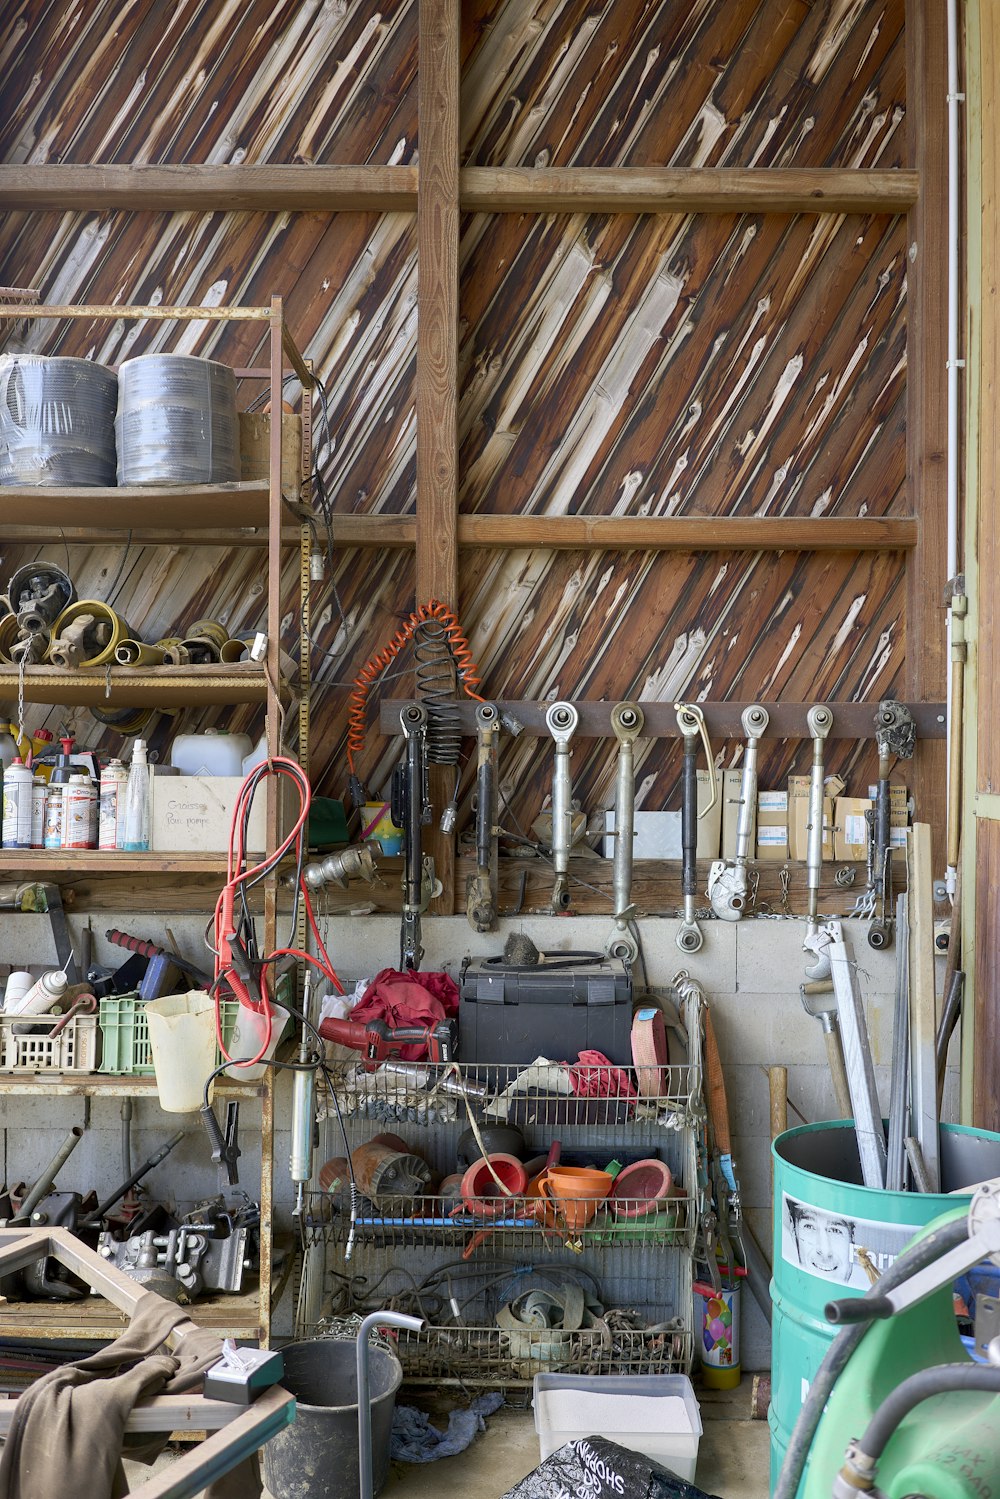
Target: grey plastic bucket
(317,1456)
(817,1172)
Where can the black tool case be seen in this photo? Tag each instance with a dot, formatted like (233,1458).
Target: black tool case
(568,1003)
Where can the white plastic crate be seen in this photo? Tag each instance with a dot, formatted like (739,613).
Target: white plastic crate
(655,1414)
(30,1048)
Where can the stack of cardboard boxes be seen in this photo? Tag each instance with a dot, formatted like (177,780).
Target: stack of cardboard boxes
(783,820)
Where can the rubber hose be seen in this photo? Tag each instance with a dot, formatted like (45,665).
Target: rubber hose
(844,1345)
(919,1387)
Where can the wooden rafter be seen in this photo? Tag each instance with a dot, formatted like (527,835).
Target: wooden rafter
(393,189)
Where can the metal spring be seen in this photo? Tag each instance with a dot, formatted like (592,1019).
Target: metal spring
(458,648)
(437,685)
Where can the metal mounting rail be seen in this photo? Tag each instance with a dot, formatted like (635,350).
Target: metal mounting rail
(723,720)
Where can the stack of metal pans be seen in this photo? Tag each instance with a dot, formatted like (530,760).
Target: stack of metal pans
(56,421)
(177,421)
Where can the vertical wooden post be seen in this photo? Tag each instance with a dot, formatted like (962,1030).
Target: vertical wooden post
(981,910)
(926,379)
(437,352)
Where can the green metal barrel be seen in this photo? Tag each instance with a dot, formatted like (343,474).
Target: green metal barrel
(832,1236)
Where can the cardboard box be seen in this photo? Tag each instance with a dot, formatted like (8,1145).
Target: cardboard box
(732,781)
(772,826)
(850,830)
(192,814)
(798,815)
(658,834)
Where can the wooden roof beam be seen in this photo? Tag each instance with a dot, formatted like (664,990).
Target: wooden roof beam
(683,533)
(390,189)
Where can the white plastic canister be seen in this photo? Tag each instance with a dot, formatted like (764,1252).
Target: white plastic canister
(39,786)
(47,992)
(212,753)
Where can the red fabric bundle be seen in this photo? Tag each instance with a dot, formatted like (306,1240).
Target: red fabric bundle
(402,999)
(595,1076)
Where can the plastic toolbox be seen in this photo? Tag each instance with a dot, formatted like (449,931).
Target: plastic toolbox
(565,1004)
(655,1414)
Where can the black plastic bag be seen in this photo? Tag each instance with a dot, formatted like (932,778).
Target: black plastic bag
(594,1468)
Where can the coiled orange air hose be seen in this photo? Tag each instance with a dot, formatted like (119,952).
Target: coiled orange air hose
(468,672)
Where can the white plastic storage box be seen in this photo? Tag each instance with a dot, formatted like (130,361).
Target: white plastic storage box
(655,1414)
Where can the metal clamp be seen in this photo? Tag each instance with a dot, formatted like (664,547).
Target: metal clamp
(561,720)
(627,722)
(727,881)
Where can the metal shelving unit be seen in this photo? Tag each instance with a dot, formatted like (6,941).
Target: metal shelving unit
(460,1269)
(256,514)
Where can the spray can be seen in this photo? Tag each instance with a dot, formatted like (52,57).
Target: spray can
(52,833)
(38,788)
(48,991)
(18,783)
(79,796)
(111,828)
(54,796)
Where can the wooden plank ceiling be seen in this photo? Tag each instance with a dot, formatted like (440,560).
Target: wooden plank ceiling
(724,365)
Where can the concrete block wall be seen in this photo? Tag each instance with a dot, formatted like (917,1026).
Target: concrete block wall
(750,971)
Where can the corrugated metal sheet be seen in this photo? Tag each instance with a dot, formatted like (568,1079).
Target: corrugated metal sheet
(609,364)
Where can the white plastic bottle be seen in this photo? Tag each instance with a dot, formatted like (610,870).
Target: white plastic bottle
(114,779)
(136,828)
(18,784)
(48,991)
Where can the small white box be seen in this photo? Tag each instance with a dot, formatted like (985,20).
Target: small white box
(655,1414)
(192,814)
(657,835)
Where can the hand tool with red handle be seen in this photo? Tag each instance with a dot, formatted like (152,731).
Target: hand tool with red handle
(379,1041)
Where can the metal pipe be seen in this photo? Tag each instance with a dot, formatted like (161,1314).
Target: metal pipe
(137,653)
(147,1166)
(819,720)
(413,720)
(561,720)
(303,1104)
(376,1319)
(690,721)
(627,721)
(44,1183)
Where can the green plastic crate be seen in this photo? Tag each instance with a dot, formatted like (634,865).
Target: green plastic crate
(126,1051)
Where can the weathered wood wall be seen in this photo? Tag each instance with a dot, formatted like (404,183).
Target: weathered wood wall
(750,365)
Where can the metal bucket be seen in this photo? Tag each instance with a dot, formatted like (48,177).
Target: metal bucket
(317,1456)
(827,1225)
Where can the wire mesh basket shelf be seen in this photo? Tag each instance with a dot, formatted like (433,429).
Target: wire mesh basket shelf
(540,1096)
(518,1224)
(491,1356)
(510,1283)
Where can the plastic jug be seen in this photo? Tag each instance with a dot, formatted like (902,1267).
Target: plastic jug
(182,1040)
(247,1038)
(212,753)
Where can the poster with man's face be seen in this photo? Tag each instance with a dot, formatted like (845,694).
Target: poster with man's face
(842,1250)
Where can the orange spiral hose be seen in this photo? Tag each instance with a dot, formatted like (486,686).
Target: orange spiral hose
(468,672)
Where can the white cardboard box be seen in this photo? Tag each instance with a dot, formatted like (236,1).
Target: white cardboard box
(192,814)
(658,834)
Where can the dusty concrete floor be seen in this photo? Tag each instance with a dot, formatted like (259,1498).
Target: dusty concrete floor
(732,1459)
